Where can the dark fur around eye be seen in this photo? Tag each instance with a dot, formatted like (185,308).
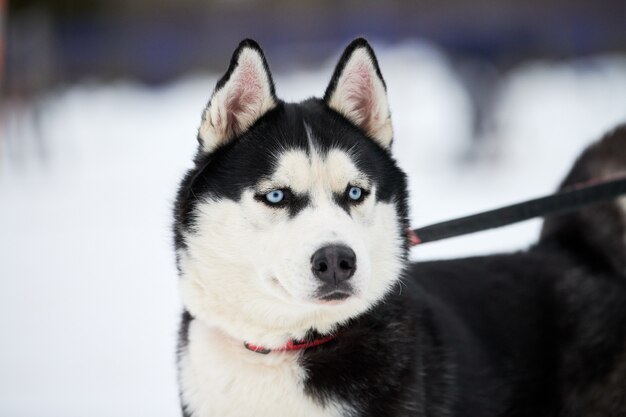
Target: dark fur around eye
(294,203)
(287,198)
(346,194)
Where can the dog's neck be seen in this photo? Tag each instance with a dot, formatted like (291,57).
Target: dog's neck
(274,338)
(221,341)
(218,373)
(292,345)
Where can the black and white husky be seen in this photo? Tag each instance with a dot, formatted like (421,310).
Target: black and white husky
(291,243)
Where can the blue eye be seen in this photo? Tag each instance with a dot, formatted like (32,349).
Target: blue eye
(275,196)
(355,193)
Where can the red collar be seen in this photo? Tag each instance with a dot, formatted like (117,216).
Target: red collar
(291,345)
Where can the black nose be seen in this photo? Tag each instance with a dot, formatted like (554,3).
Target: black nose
(333,263)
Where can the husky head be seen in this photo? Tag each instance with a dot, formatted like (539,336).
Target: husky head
(293,218)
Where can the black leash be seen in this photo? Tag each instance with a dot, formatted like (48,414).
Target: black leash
(565,201)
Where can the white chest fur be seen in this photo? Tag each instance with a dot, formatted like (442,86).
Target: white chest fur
(219,377)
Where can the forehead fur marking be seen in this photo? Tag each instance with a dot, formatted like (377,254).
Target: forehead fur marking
(294,171)
(341,171)
(304,172)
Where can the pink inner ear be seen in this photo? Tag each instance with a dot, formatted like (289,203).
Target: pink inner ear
(245,96)
(359,94)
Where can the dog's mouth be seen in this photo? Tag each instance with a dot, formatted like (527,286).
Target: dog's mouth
(326,294)
(334,294)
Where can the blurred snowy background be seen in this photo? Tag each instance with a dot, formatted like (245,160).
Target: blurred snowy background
(98,119)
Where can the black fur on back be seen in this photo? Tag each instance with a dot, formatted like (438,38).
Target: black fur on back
(592,298)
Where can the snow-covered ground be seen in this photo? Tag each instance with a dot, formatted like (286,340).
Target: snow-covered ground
(88,294)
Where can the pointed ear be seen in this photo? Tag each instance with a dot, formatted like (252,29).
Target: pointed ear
(241,97)
(357,91)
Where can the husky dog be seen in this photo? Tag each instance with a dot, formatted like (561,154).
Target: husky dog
(290,235)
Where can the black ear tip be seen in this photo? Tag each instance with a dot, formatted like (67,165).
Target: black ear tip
(249,43)
(360,43)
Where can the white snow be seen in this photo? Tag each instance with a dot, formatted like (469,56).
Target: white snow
(88,293)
